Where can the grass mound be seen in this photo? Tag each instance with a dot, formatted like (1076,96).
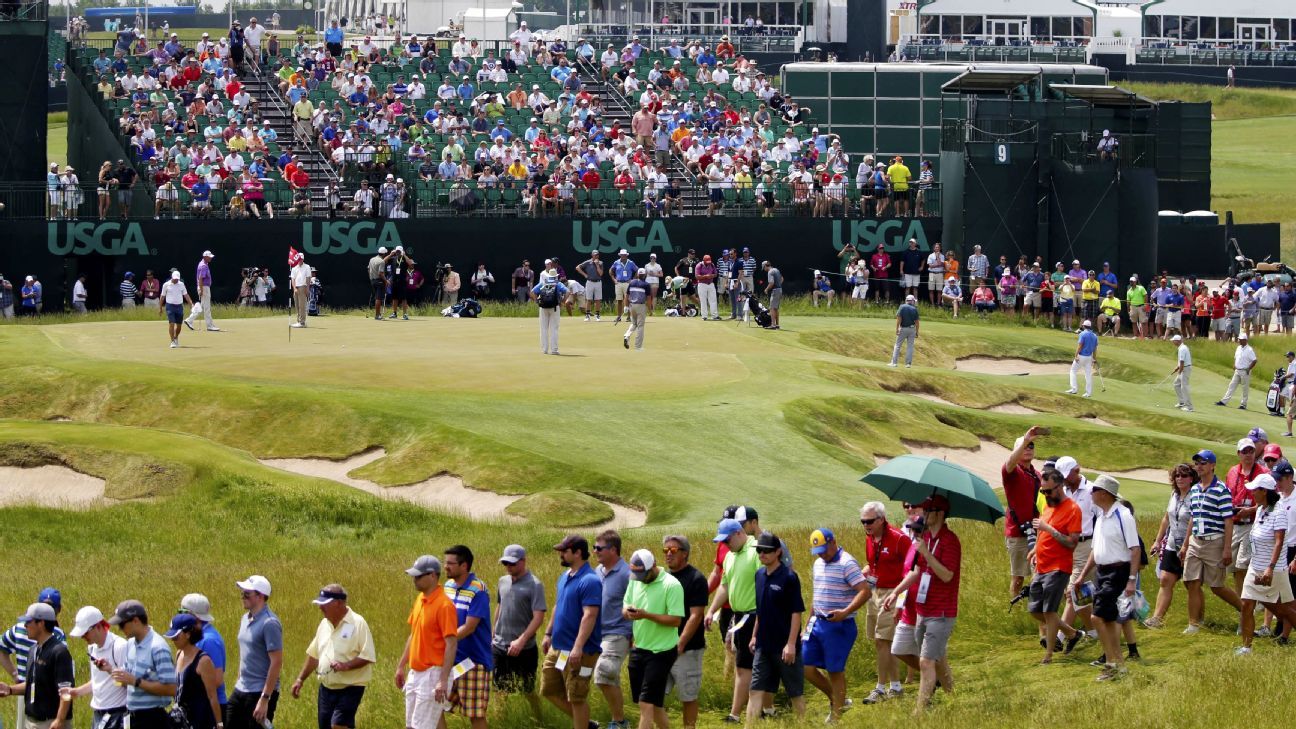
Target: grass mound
(562,508)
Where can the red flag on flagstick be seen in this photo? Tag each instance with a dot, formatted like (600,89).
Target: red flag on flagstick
(294,256)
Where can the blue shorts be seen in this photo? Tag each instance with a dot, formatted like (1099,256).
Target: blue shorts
(175,313)
(1065,306)
(828,645)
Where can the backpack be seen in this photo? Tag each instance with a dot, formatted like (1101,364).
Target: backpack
(548,297)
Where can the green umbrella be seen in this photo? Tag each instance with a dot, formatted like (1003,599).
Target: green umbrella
(913,478)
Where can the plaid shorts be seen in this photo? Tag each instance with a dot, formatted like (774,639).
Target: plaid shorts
(471,693)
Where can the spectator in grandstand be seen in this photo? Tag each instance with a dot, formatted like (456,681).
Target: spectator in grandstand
(1108,146)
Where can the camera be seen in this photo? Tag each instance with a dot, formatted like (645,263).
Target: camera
(917,525)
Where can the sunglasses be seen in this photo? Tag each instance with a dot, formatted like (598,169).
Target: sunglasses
(766,550)
(598,548)
(869,522)
(671,550)
(1048,490)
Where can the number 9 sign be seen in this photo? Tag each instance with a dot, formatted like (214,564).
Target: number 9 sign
(1001,154)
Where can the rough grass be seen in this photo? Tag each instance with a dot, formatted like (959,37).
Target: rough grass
(562,508)
(1226,103)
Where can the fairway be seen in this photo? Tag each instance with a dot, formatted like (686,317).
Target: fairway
(709,414)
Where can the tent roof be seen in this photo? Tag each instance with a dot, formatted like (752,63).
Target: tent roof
(976,81)
(1105,96)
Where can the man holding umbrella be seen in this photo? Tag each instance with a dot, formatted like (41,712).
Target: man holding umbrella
(935,581)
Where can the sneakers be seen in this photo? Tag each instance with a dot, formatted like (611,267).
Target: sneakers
(1221,403)
(891,364)
(587,317)
(598,317)
(730,719)
(875,696)
(1154,622)
(626,341)
(297,325)
(895,693)
(189,324)
(1087,394)
(213,329)
(1187,410)
(1192,629)
(1070,392)
(1241,407)
(1100,662)
(377,317)
(616,724)
(405,317)
(393,315)
(1112,673)
(1242,650)
(1263,632)
(1287,435)
(1073,641)
(174,344)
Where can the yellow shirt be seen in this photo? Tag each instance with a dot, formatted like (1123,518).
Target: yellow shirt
(351,639)
(236,143)
(1089,289)
(517,170)
(742,181)
(1110,306)
(900,176)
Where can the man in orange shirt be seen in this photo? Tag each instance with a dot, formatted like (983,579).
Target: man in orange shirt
(429,650)
(1058,529)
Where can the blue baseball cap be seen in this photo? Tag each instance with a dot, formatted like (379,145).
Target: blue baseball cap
(726,528)
(180,623)
(1205,456)
(1282,468)
(51,597)
(819,539)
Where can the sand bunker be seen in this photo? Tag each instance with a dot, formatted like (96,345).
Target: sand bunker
(1013,408)
(443,492)
(1009,366)
(1153,475)
(1097,421)
(57,486)
(985,460)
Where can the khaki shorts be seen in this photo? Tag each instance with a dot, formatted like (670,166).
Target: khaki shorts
(607,672)
(1079,557)
(1033,299)
(1018,549)
(1205,562)
(1241,547)
(1138,314)
(621,289)
(880,624)
(686,675)
(567,683)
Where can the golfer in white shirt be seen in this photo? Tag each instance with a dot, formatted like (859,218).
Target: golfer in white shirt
(1244,360)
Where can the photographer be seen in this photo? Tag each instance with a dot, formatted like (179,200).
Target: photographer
(482,280)
(450,285)
(1058,529)
(1021,489)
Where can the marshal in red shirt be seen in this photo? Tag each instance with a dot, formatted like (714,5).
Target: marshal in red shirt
(942,597)
(1021,488)
(886,557)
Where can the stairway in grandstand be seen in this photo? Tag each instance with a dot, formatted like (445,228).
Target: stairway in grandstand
(274,108)
(618,107)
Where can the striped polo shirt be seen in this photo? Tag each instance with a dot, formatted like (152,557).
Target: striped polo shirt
(1210,507)
(127,290)
(1262,537)
(835,581)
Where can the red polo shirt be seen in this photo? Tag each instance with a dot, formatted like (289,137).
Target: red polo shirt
(886,556)
(1236,482)
(1021,488)
(942,597)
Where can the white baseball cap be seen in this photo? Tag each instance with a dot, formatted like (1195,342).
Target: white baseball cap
(255,583)
(86,618)
(1176,338)
(208,254)
(1066,465)
(199,606)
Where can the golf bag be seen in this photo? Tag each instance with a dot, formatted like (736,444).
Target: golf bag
(1273,401)
(758,311)
(466,309)
(314,298)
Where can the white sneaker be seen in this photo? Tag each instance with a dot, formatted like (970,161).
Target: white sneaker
(587,317)
(891,364)
(174,344)
(1069,392)
(1087,394)
(1191,629)
(1242,651)
(213,329)
(297,325)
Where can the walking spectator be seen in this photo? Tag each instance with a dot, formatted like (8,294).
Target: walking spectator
(938,565)
(211,643)
(775,642)
(839,591)
(1171,544)
(1058,530)
(523,279)
(1079,490)
(616,628)
(1244,360)
(48,673)
(1021,485)
(1117,558)
(521,609)
(654,603)
(423,671)
(906,331)
(149,673)
(686,672)
(573,639)
(196,675)
(341,655)
(1244,505)
(107,651)
(1209,550)
(738,589)
(260,638)
(471,598)
(886,549)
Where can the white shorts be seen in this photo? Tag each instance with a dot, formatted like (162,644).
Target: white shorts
(860,291)
(911,280)
(1174,319)
(1033,299)
(594,290)
(422,710)
(935,280)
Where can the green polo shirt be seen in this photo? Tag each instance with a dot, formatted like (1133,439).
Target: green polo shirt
(1137,295)
(740,577)
(662,596)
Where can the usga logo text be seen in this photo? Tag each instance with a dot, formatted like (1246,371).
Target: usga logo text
(868,234)
(107,239)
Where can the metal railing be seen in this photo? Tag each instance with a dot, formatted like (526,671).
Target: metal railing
(955,133)
(506,199)
(1195,56)
(654,36)
(20,10)
(1025,53)
(1081,148)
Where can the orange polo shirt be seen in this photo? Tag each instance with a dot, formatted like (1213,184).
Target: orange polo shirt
(431,621)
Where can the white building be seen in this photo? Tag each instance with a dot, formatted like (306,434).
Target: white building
(1255,24)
